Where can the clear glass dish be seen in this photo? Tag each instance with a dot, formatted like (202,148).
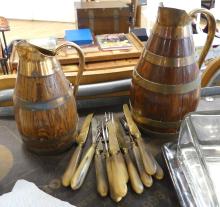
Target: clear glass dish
(198,154)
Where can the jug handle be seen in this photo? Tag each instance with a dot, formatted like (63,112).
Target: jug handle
(211,32)
(81,62)
(210,71)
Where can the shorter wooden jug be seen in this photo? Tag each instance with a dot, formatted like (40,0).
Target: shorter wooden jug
(45,107)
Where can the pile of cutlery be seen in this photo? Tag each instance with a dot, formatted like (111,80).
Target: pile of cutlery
(120,155)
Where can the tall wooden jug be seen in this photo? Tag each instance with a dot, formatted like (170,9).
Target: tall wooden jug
(166,81)
(45,108)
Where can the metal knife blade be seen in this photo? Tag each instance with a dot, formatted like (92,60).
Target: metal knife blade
(81,138)
(74,161)
(131,124)
(81,172)
(94,130)
(123,139)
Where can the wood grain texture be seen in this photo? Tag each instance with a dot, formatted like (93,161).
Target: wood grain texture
(47,131)
(45,88)
(45,109)
(156,105)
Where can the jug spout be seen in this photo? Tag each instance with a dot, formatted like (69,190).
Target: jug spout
(24,48)
(172,17)
(35,61)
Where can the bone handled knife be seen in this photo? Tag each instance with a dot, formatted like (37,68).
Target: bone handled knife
(81,139)
(81,171)
(115,149)
(124,142)
(117,166)
(145,178)
(101,176)
(149,164)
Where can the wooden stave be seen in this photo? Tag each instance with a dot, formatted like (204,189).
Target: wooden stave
(171,47)
(153,104)
(62,117)
(188,103)
(153,72)
(42,86)
(63,120)
(140,98)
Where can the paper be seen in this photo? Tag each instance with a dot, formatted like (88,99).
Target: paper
(27,194)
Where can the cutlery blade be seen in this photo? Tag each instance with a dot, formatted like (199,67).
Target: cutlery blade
(81,138)
(131,124)
(123,139)
(94,130)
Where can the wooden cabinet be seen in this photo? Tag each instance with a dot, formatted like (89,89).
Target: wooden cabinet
(103,17)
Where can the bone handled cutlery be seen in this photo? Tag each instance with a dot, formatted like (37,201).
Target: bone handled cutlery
(115,149)
(149,164)
(82,169)
(73,163)
(125,144)
(117,165)
(145,178)
(101,176)
(159,175)
(112,185)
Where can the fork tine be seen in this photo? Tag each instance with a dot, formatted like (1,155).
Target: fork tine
(106,117)
(106,132)
(104,136)
(112,115)
(109,116)
(103,130)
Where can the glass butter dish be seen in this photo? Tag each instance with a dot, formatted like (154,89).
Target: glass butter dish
(198,156)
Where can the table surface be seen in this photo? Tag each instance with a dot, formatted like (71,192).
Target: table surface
(45,171)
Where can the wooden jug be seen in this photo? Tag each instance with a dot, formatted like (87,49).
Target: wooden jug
(166,81)
(45,107)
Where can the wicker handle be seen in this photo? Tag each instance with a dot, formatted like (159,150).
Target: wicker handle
(81,62)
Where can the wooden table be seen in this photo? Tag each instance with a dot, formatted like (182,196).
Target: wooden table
(45,171)
(100,64)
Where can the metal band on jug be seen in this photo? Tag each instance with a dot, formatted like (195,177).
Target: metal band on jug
(172,32)
(155,123)
(168,61)
(46,105)
(165,88)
